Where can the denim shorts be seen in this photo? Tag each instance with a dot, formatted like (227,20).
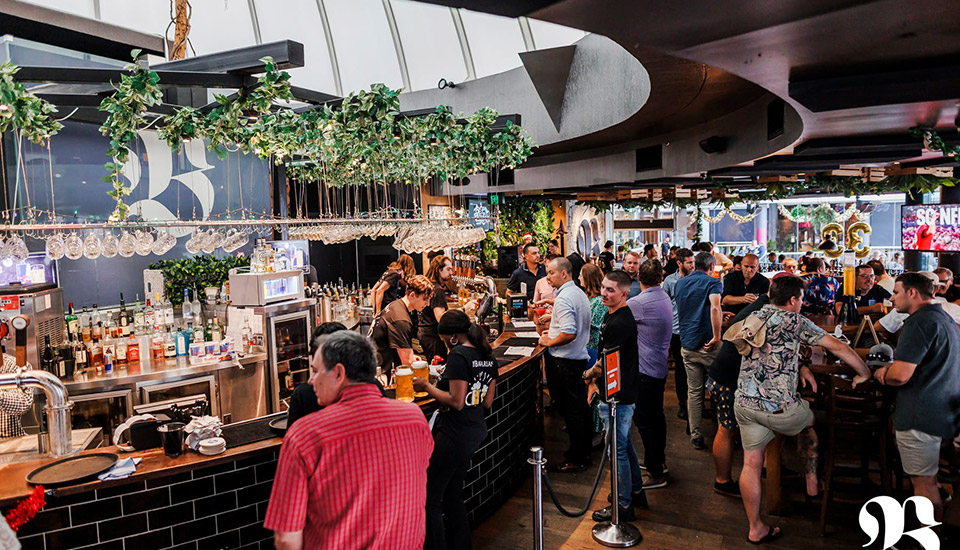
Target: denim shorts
(723,397)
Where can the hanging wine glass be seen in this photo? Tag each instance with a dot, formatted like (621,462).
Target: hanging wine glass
(211,241)
(193,243)
(55,246)
(128,244)
(4,255)
(231,241)
(92,246)
(144,242)
(164,243)
(73,246)
(110,245)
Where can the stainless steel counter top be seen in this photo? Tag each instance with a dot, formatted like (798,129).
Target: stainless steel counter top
(150,369)
(21,449)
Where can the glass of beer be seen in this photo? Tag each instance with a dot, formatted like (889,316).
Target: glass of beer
(404,380)
(421,369)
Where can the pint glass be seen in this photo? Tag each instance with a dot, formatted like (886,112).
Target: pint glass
(421,369)
(404,378)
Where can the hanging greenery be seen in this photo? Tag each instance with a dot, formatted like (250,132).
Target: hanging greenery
(933,142)
(22,110)
(821,214)
(126,111)
(519,216)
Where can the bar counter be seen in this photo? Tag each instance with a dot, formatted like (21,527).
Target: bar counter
(220,501)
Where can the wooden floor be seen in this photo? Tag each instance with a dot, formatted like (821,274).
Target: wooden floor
(686,514)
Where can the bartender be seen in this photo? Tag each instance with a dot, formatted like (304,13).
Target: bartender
(393,329)
(439,273)
(13,403)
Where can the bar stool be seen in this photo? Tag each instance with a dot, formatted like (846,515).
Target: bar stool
(854,414)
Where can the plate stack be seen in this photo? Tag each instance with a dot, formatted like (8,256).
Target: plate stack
(212,446)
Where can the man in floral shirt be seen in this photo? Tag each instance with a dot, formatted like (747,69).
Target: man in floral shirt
(822,289)
(767,398)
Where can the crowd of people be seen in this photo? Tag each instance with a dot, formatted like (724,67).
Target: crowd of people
(735,337)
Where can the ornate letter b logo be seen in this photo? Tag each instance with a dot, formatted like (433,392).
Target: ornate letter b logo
(893,520)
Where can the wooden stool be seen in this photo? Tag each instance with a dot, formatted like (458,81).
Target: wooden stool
(863,414)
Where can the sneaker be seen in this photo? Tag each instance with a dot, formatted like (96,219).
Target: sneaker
(606,514)
(698,443)
(654,482)
(729,489)
(639,500)
(682,414)
(665,469)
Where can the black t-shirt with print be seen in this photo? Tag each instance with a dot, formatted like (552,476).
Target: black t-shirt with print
(428,322)
(478,370)
(394,328)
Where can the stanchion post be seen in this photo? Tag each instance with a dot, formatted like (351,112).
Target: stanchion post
(538,462)
(613,533)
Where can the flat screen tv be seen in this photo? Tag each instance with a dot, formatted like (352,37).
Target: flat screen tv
(931,227)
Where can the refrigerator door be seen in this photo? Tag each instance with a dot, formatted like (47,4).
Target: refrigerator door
(288,337)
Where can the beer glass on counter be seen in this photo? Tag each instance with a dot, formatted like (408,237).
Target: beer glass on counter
(404,380)
(421,369)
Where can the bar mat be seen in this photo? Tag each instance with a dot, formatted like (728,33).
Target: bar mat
(250,431)
(504,359)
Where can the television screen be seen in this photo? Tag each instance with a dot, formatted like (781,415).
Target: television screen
(931,227)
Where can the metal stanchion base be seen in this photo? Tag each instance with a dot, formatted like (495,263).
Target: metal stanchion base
(623,535)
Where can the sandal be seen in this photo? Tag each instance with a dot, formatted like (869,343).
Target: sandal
(773,534)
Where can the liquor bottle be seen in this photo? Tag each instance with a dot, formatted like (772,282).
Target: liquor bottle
(196,309)
(216,331)
(149,317)
(187,307)
(208,331)
(133,349)
(169,345)
(47,362)
(73,323)
(246,336)
(124,320)
(138,317)
(96,354)
(156,346)
(168,313)
(182,347)
(80,357)
(85,326)
(68,358)
(108,360)
(121,346)
(198,336)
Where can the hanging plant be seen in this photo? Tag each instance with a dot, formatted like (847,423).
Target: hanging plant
(933,142)
(126,108)
(24,111)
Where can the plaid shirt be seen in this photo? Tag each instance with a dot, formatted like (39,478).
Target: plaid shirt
(354,474)
(13,403)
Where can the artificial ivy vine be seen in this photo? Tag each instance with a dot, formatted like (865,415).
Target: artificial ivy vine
(126,111)
(24,111)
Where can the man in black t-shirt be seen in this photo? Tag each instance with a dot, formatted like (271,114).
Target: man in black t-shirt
(744,286)
(393,329)
(926,368)
(619,331)
(606,258)
(869,295)
(439,272)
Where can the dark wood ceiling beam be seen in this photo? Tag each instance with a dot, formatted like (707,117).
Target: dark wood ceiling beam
(66,30)
(883,87)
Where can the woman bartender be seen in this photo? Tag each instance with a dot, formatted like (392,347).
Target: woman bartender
(440,271)
(393,329)
(13,403)
(465,389)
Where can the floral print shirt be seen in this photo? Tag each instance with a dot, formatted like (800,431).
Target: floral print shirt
(598,312)
(769,375)
(821,290)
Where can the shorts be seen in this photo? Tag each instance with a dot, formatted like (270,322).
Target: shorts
(757,428)
(919,452)
(723,398)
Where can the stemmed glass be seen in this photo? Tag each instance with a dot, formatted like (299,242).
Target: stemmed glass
(164,243)
(128,244)
(110,245)
(73,246)
(55,246)
(144,242)
(92,246)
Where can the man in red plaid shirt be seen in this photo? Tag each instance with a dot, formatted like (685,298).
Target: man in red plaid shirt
(354,474)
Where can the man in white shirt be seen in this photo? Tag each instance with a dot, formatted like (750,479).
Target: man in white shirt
(892,322)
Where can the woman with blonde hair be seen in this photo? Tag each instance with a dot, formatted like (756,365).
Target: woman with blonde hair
(392,284)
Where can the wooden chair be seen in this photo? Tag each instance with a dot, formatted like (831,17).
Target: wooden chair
(858,419)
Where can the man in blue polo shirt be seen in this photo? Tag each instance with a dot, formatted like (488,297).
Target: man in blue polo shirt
(700,318)
(565,361)
(530,271)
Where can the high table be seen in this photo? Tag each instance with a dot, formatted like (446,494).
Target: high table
(221,500)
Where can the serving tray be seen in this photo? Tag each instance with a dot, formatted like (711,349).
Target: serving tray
(72,470)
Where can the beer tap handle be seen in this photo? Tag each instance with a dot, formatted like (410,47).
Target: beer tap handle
(20,324)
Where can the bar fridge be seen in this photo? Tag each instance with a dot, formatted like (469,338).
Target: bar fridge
(286,330)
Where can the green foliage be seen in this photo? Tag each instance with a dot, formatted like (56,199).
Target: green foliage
(519,216)
(24,111)
(195,273)
(126,111)
(933,141)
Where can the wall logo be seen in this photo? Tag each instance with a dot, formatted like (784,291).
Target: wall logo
(893,521)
